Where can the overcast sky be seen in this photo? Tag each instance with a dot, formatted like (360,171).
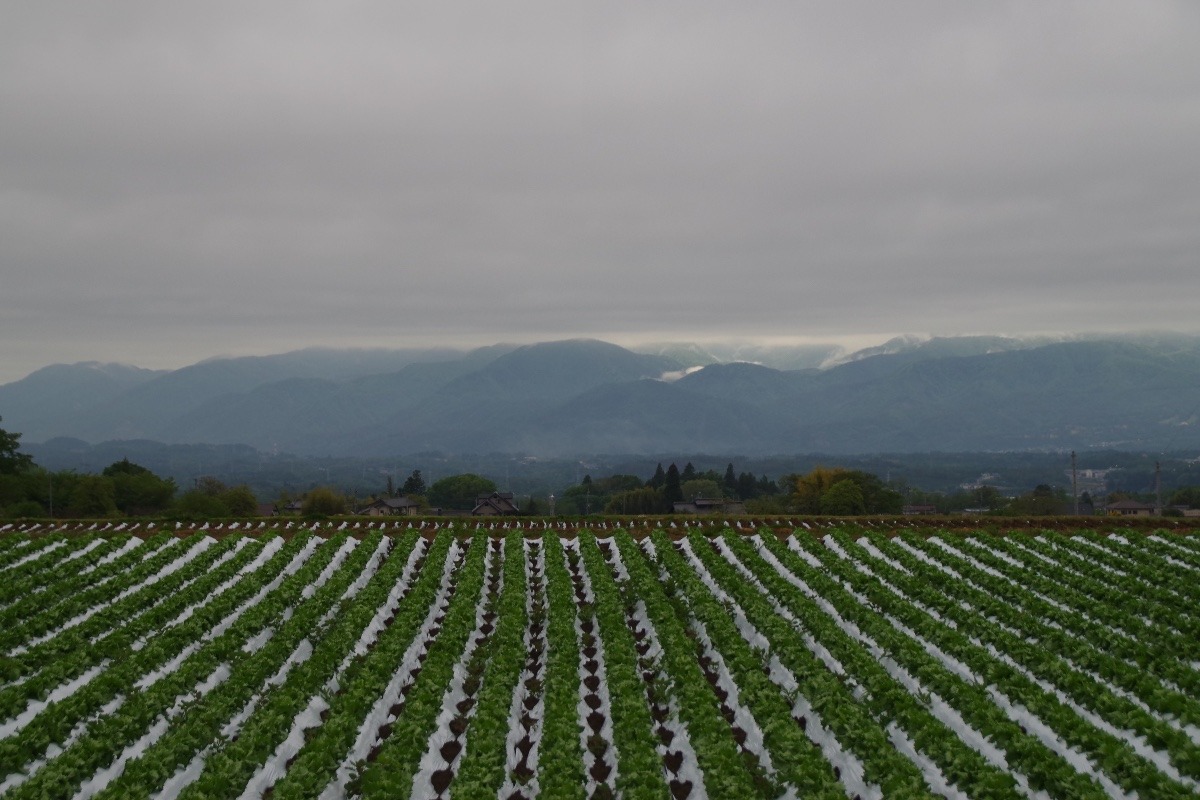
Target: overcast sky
(182,180)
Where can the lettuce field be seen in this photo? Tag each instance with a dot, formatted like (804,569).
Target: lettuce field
(483,661)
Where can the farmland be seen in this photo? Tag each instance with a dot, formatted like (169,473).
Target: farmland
(667,661)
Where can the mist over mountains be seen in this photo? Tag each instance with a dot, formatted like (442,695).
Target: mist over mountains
(563,398)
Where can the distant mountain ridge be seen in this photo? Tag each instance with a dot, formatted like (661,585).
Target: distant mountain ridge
(585,396)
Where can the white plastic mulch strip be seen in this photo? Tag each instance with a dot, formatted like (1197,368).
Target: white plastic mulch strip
(169,569)
(432,760)
(369,570)
(947,714)
(105,776)
(742,717)
(681,741)
(582,710)
(191,772)
(83,551)
(1075,612)
(132,543)
(368,732)
(265,554)
(17,724)
(936,705)
(173,541)
(333,566)
(371,632)
(150,678)
(852,774)
(535,571)
(228,555)
(1054,741)
(1047,735)
(1189,730)
(1135,741)
(41,551)
(31,768)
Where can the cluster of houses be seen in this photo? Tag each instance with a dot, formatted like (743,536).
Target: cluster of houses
(499,504)
(494,504)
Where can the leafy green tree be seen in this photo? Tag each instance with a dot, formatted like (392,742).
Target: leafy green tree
(844,498)
(808,488)
(209,485)
(877,498)
(94,496)
(459,491)
(241,501)
(701,487)
(644,500)
(137,490)
(12,460)
(1044,500)
(323,501)
(25,508)
(414,485)
(1185,496)
(195,504)
(592,494)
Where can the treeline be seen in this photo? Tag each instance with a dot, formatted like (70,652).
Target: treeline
(833,491)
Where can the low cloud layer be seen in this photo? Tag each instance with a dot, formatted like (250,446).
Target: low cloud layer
(182,181)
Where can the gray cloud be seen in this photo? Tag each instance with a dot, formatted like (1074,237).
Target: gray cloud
(177,182)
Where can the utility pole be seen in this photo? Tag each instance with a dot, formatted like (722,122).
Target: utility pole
(1074,484)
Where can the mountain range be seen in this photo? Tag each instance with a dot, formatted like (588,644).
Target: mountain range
(581,396)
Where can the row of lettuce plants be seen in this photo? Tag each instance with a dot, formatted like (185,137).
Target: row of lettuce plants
(366,681)
(861,637)
(151,693)
(296,630)
(48,552)
(798,762)
(640,772)
(1144,607)
(247,741)
(27,642)
(1137,569)
(834,695)
(1114,761)
(1109,626)
(81,553)
(1054,670)
(482,770)
(560,753)
(397,759)
(56,724)
(118,627)
(107,566)
(1039,623)
(728,771)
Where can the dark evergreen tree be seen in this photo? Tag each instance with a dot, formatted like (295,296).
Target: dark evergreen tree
(767,487)
(730,480)
(689,473)
(660,478)
(747,486)
(673,486)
